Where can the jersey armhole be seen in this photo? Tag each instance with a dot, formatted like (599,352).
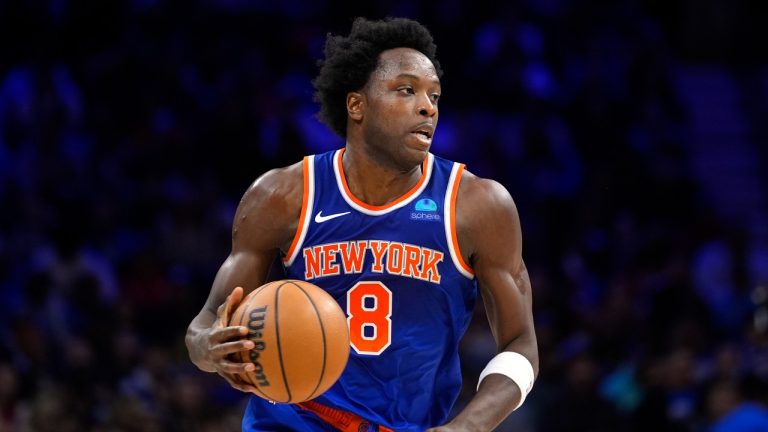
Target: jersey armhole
(450,221)
(306,210)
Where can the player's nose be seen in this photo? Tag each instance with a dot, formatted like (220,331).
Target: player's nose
(426,106)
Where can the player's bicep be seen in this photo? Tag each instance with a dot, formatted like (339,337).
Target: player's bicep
(265,221)
(498,263)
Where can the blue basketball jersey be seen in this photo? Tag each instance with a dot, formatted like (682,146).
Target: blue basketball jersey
(408,294)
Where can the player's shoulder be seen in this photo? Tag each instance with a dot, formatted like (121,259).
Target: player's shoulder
(278,190)
(280,179)
(483,195)
(485,215)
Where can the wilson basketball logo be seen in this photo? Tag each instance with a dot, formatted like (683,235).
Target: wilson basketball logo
(255,328)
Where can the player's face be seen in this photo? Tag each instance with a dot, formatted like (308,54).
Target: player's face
(401,107)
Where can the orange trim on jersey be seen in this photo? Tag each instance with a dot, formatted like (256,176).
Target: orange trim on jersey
(454,237)
(402,198)
(303,216)
(341,420)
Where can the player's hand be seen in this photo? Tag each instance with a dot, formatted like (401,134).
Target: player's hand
(222,340)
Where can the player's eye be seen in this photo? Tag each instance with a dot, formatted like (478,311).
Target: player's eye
(406,90)
(435,97)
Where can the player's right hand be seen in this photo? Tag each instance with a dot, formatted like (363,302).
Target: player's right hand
(222,340)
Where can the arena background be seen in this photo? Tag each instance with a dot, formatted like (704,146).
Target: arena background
(631,134)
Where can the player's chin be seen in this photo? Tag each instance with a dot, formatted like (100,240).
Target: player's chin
(413,157)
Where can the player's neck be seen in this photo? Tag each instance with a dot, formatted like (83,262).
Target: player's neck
(373,182)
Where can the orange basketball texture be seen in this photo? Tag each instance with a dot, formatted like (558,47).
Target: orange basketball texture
(301,340)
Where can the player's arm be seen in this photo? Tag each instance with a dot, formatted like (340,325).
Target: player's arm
(488,229)
(265,223)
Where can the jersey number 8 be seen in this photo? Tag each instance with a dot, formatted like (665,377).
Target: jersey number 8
(369,309)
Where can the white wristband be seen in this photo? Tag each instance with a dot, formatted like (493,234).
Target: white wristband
(514,366)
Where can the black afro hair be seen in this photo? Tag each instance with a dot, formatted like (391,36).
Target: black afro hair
(350,60)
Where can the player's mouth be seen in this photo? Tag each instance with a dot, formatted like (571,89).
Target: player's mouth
(424,133)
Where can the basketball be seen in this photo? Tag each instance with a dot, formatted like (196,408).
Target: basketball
(300,336)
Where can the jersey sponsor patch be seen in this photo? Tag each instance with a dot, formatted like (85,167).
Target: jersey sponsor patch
(425,209)
(425,205)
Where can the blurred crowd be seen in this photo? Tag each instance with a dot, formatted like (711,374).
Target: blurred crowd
(130,129)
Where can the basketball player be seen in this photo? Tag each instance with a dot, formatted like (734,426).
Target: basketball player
(403,239)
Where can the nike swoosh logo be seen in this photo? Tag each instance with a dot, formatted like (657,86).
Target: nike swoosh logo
(319,218)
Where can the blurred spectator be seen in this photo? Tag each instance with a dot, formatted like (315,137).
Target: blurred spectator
(13,411)
(732,410)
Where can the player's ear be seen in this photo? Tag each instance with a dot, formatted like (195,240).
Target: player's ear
(355,105)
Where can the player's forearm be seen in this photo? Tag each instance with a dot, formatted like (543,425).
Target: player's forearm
(202,322)
(493,402)
(498,395)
